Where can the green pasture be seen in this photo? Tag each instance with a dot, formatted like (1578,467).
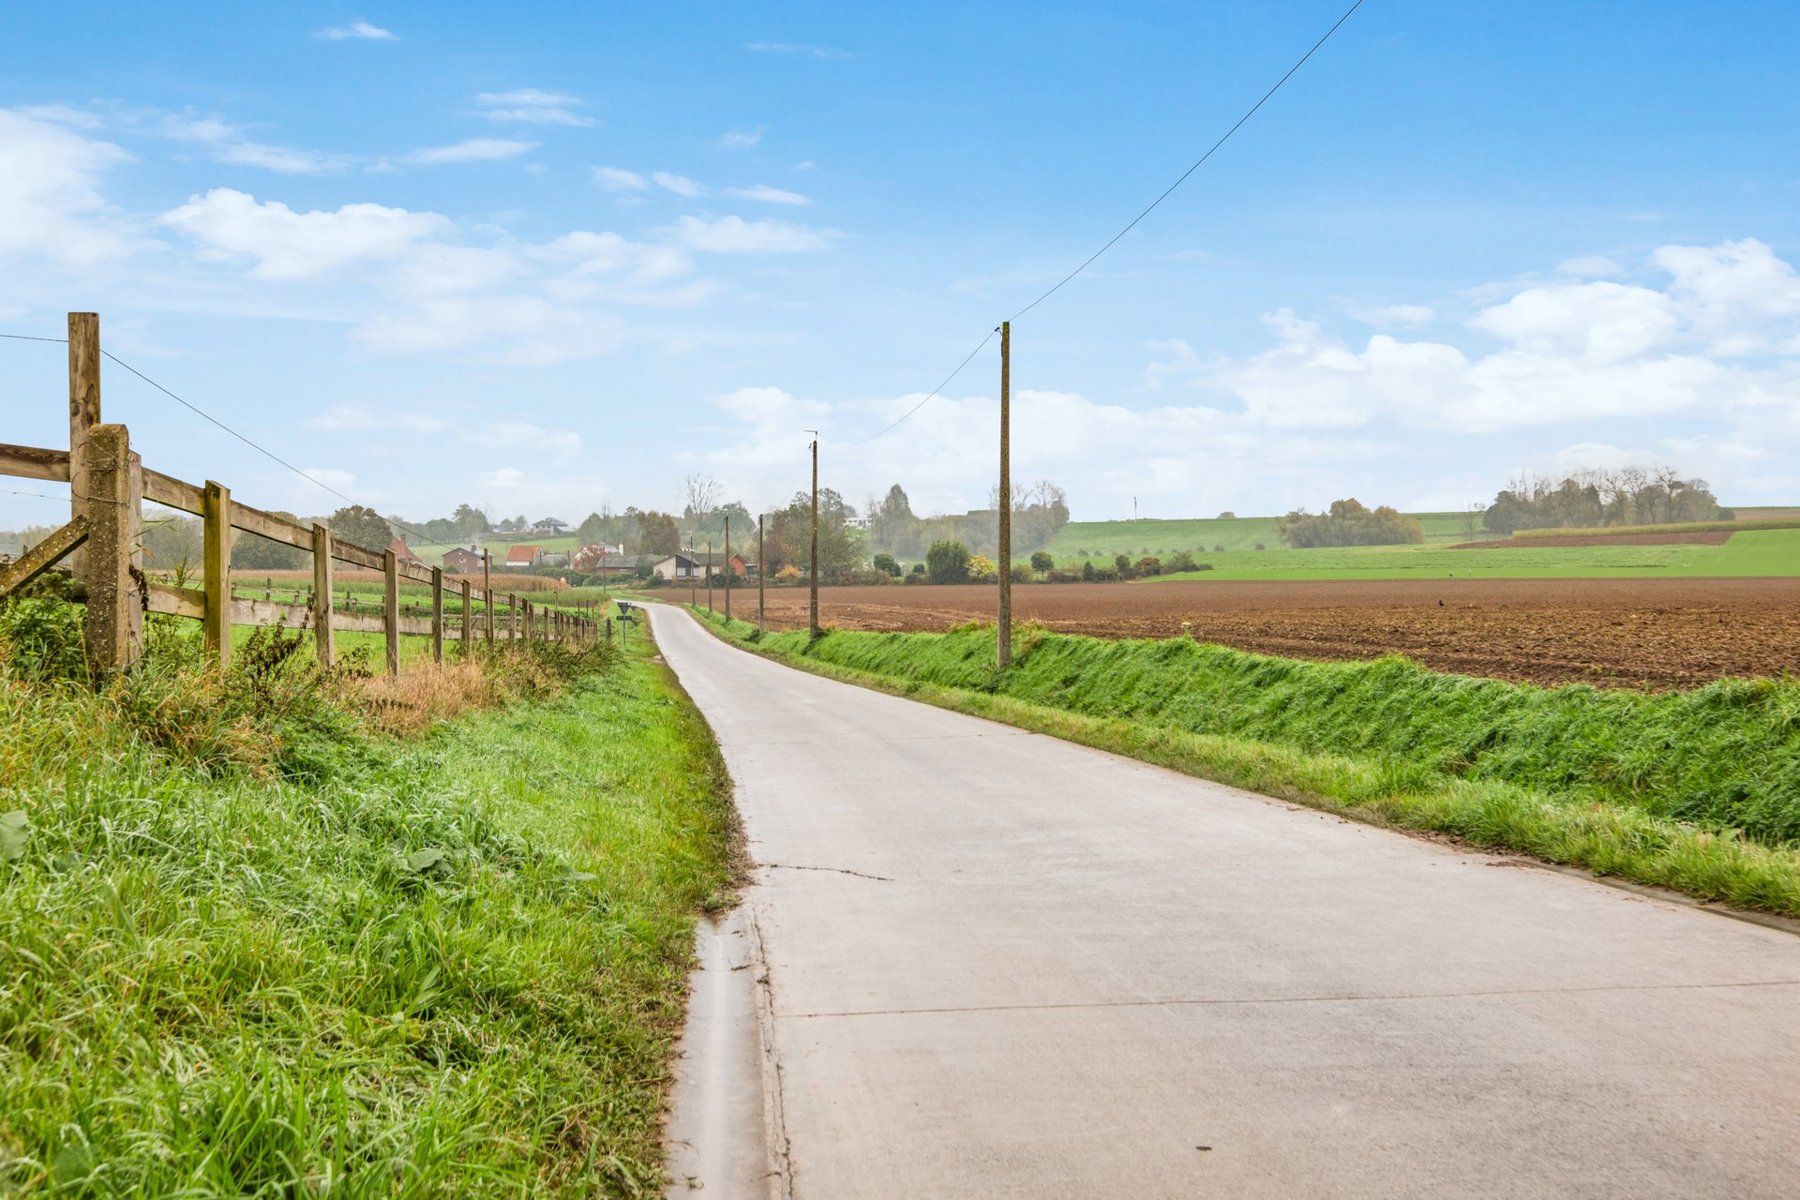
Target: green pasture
(1766,552)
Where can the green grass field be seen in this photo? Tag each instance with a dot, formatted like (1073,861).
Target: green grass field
(1696,790)
(447,967)
(1768,552)
(1105,539)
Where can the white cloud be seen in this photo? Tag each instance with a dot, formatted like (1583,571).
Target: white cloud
(226,143)
(50,201)
(1406,316)
(347,418)
(617,179)
(357,31)
(734,235)
(471,150)
(768,195)
(531,106)
(738,139)
(680,185)
(285,244)
(796,48)
(517,434)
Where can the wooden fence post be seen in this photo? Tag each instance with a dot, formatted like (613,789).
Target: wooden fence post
(512,617)
(437,614)
(114,606)
(324,645)
(215,504)
(468,619)
(84,413)
(390,608)
(487,593)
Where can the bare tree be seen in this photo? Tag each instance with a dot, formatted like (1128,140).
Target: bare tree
(702,497)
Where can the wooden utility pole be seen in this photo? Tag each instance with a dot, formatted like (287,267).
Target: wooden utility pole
(813,607)
(84,413)
(1004,630)
(728,571)
(762,560)
(709,575)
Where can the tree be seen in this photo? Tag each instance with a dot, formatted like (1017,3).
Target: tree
(885,563)
(1042,563)
(982,569)
(892,525)
(469,521)
(260,554)
(361,526)
(947,562)
(1349,523)
(657,534)
(702,497)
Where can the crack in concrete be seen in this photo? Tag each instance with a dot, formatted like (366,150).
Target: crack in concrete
(833,870)
(1185,1002)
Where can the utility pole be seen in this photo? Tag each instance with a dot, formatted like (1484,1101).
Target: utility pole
(709,575)
(762,571)
(1004,630)
(813,619)
(729,572)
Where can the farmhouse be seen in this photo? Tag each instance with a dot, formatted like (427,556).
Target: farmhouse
(404,553)
(523,555)
(549,527)
(677,566)
(741,567)
(462,561)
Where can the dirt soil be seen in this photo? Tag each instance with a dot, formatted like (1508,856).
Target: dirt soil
(1639,633)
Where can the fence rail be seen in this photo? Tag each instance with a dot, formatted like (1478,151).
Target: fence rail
(108,487)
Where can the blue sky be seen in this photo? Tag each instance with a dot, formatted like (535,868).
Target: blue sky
(549,258)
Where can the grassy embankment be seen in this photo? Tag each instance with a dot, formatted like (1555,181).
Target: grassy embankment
(1698,791)
(251,945)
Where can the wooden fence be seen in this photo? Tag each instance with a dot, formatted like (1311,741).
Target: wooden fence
(108,486)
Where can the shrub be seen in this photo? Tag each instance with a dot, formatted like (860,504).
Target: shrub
(885,564)
(1087,571)
(918,568)
(1021,573)
(982,569)
(1149,565)
(947,562)
(1218,547)
(1181,560)
(789,573)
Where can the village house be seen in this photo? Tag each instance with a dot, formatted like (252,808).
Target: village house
(523,555)
(462,561)
(404,552)
(681,566)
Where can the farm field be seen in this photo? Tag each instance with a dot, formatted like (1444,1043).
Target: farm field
(1104,539)
(1763,552)
(1647,633)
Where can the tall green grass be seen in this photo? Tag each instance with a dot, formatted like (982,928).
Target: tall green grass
(451,966)
(1698,790)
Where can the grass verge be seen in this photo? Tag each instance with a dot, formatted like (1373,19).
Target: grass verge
(357,965)
(1696,791)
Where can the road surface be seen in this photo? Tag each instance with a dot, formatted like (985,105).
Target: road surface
(985,963)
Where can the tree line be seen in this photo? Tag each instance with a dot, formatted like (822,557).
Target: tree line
(1595,498)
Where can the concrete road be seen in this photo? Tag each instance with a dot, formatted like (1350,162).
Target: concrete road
(993,964)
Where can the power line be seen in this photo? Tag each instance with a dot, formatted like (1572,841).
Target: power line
(1134,222)
(1198,163)
(269,454)
(934,391)
(204,415)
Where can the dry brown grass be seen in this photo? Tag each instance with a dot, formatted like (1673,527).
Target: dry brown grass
(428,693)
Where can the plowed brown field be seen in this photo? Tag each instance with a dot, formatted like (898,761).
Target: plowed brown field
(1647,633)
